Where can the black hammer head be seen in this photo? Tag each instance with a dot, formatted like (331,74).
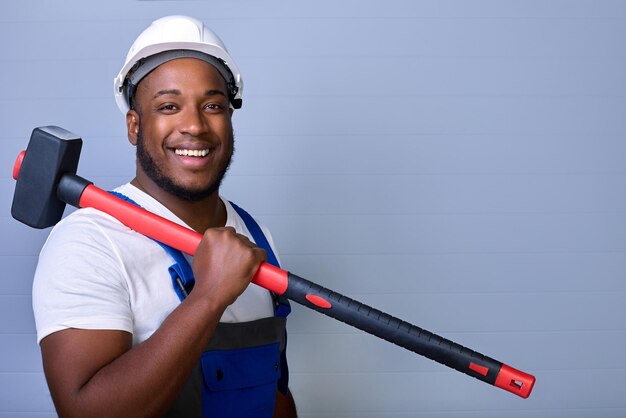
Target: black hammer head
(51,153)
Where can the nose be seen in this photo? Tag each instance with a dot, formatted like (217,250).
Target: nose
(192,122)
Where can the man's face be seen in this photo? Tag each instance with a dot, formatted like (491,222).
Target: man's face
(184,134)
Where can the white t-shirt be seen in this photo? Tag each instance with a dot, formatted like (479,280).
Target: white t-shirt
(95,273)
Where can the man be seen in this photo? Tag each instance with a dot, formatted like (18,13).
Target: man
(122,331)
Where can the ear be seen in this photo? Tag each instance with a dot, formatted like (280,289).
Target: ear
(132,126)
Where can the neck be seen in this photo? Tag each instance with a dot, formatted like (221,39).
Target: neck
(199,215)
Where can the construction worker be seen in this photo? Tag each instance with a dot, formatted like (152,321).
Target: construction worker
(129,327)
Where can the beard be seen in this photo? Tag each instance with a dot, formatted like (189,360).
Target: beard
(152,170)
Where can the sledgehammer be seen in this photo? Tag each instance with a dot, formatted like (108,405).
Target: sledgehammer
(46,181)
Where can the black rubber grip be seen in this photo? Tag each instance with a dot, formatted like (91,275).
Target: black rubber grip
(392,329)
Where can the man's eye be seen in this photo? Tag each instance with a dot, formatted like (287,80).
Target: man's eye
(168,107)
(213,106)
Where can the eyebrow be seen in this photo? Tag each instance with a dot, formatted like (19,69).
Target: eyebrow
(214,92)
(177,92)
(166,92)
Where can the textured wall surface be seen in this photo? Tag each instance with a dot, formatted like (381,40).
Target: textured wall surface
(454,163)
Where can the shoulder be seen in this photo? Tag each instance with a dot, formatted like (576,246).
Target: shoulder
(84,239)
(87,226)
(84,244)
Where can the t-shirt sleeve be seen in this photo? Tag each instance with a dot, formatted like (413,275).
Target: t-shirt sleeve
(80,280)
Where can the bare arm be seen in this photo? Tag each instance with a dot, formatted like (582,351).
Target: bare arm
(98,373)
(285,406)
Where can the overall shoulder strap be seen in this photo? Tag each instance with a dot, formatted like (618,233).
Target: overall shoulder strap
(281,304)
(257,234)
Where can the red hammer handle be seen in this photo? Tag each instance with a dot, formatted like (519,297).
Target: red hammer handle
(324,300)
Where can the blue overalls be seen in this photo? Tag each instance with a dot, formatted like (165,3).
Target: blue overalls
(244,363)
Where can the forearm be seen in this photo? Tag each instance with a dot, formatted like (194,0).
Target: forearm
(145,380)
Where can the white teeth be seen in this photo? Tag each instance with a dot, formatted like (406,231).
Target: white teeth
(192,152)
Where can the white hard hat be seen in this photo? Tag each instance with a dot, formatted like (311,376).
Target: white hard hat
(169,38)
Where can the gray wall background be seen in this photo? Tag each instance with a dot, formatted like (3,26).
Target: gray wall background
(458,164)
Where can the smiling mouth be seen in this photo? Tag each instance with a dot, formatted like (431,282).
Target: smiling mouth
(192,152)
